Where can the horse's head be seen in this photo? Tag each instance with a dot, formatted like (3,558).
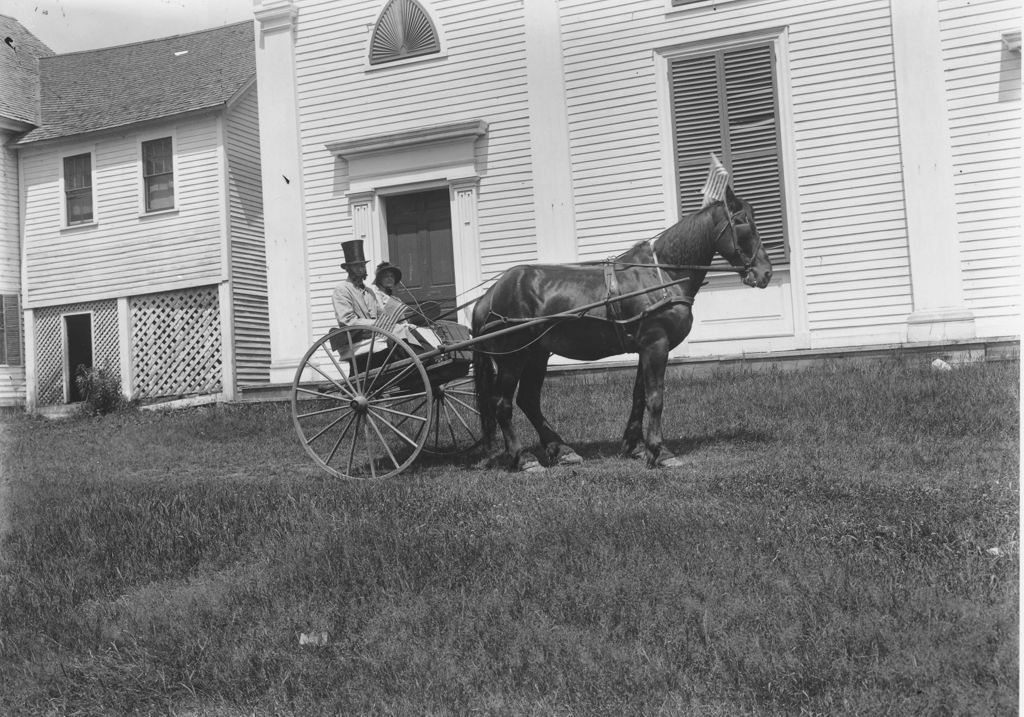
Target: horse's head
(741,245)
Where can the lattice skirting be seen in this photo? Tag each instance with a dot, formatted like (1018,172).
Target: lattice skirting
(176,343)
(49,346)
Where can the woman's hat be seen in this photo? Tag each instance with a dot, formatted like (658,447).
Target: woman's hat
(386,266)
(353,252)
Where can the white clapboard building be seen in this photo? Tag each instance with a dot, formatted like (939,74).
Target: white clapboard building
(139,239)
(879,142)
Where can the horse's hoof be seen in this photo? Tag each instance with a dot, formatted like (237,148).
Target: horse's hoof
(569,457)
(635,452)
(533,466)
(671,462)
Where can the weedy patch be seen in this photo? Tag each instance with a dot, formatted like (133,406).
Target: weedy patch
(841,541)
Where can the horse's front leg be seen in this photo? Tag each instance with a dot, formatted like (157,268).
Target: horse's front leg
(633,437)
(528,400)
(655,359)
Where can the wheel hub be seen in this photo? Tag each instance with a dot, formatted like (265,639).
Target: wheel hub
(359,404)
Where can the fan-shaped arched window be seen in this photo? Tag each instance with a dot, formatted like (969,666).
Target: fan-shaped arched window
(404,30)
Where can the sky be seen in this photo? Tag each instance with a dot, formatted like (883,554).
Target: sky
(73,25)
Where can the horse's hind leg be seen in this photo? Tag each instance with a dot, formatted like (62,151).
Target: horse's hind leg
(508,379)
(529,401)
(633,437)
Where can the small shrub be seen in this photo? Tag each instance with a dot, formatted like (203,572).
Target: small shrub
(100,389)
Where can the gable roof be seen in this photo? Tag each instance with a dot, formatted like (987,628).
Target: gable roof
(19,71)
(117,86)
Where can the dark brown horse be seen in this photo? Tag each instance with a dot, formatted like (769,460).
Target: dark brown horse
(649,323)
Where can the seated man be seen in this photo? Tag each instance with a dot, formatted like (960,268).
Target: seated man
(356,304)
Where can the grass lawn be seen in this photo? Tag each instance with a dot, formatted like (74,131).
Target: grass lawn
(841,541)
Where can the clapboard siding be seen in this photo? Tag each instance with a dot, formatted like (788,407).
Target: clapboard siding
(10,251)
(483,77)
(12,386)
(125,252)
(841,89)
(248,257)
(983,86)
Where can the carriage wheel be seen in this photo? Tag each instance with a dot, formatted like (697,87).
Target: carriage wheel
(455,421)
(361,424)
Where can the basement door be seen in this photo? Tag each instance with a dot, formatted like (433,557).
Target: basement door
(420,243)
(78,342)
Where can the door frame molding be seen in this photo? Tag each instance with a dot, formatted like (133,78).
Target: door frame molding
(65,347)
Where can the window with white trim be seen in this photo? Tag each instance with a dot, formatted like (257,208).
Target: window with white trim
(158,174)
(78,189)
(726,102)
(403,30)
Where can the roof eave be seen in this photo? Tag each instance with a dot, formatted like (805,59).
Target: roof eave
(28,141)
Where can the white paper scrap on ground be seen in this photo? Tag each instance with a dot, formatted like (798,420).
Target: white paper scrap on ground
(316,639)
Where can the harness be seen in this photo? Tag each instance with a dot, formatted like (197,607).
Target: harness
(626,328)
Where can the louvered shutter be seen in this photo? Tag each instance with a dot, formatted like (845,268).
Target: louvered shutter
(12,338)
(727,103)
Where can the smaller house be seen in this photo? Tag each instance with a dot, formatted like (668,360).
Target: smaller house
(19,112)
(142,220)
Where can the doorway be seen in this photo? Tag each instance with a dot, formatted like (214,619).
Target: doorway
(419,228)
(78,343)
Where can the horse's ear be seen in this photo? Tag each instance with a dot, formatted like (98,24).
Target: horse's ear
(732,202)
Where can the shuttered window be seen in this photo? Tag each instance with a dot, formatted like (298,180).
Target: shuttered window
(78,188)
(403,30)
(158,174)
(726,102)
(10,331)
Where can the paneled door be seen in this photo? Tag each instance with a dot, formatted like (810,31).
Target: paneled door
(420,243)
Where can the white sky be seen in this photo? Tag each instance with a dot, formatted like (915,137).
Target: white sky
(72,25)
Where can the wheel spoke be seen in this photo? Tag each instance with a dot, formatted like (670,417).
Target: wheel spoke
(337,364)
(394,428)
(341,438)
(352,448)
(404,373)
(383,442)
(382,368)
(459,417)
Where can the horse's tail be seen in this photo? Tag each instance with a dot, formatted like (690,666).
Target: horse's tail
(483,375)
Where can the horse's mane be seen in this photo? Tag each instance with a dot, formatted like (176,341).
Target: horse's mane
(690,240)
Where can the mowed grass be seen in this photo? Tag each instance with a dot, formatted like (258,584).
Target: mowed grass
(842,541)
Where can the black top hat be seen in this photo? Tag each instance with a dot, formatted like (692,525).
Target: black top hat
(353,252)
(386,266)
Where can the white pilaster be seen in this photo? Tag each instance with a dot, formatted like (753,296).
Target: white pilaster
(464,241)
(31,388)
(284,212)
(227,341)
(124,340)
(936,285)
(549,134)
(364,223)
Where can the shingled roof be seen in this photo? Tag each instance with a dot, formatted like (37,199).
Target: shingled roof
(19,71)
(117,86)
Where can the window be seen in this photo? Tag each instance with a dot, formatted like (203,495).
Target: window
(78,188)
(726,102)
(10,330)
(404,30)
(158,174)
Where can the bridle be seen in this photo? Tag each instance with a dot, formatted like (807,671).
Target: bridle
(730,223)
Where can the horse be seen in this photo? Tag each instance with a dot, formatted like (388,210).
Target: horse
(644,304)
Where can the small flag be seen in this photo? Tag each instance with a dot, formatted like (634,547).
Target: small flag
(718,180)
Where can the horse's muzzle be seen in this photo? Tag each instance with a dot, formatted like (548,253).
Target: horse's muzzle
(755,278)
